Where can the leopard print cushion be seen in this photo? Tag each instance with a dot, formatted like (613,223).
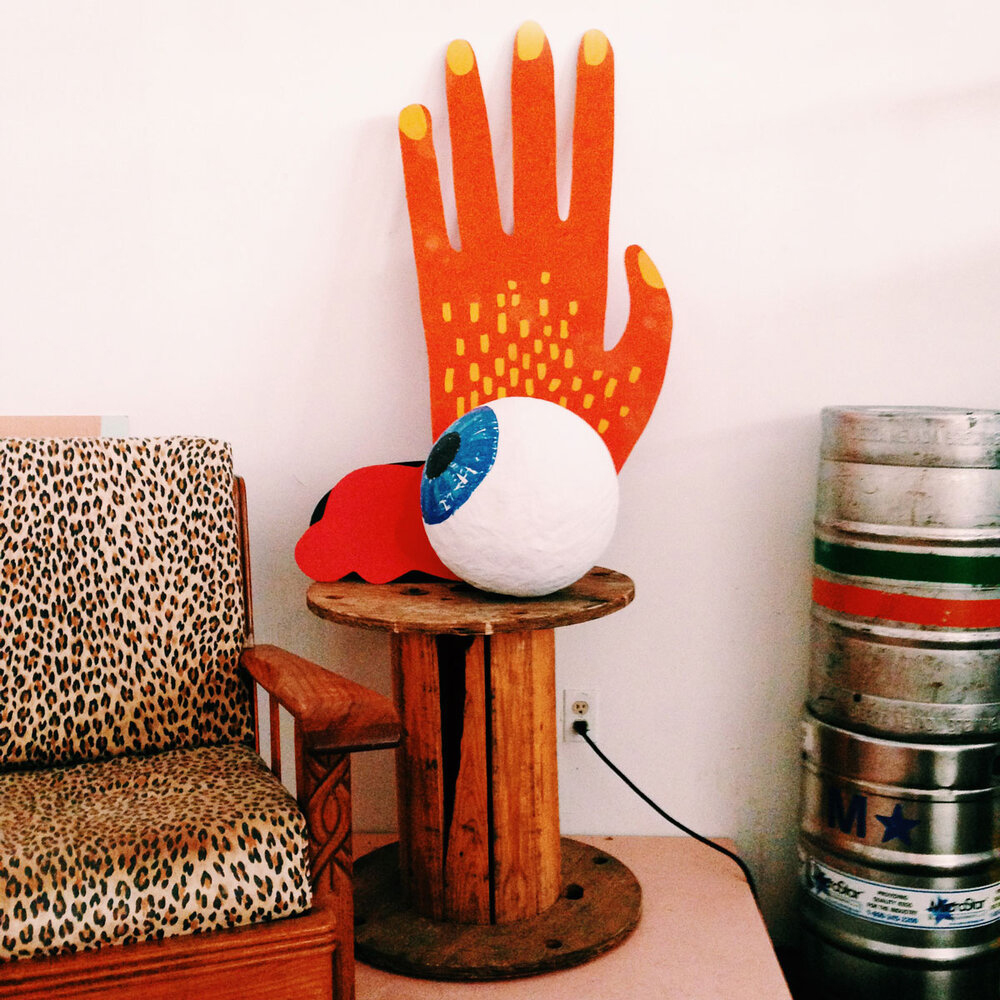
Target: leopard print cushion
(142,848)
(121,600)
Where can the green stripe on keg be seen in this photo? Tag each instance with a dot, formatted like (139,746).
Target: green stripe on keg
(921,567)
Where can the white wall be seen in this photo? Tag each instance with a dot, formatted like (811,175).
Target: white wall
(202,225)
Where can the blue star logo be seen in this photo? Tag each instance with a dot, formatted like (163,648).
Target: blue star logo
(940,910)
(819,881)
(897,826)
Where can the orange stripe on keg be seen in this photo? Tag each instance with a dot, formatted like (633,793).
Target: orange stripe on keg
(865,603)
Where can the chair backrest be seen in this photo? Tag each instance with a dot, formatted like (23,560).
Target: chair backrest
(122,610)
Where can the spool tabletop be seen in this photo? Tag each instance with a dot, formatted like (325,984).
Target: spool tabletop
(456,608)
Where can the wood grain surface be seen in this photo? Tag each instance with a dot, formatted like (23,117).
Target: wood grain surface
(455,608)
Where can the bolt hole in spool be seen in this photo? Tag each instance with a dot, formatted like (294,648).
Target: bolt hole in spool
(574,891)
(553,944)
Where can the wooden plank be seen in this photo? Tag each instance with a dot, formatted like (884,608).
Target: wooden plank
(334,712)
(287,959)
(545,767)
(526,849)
(456,608)
(274,717)
(419,786)
(467,861)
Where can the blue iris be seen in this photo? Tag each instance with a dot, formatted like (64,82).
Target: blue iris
(458,463)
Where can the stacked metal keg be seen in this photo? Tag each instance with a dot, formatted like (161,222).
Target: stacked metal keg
(900,833)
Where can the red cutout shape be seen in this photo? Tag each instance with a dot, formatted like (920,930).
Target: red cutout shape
(370,524)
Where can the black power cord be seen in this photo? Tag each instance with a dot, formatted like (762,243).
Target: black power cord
(581,727)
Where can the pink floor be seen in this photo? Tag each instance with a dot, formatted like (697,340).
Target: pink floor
(700,936)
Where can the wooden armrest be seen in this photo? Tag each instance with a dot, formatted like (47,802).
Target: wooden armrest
(334,713)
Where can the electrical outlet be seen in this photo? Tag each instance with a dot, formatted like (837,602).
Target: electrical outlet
(579,705)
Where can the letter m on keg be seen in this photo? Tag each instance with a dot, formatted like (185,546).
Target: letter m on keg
(852,816)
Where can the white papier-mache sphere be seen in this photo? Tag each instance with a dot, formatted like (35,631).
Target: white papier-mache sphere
(519,496)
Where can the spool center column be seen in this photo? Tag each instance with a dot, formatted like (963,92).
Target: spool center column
(477,777)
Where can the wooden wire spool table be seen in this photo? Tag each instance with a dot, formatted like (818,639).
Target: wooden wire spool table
(481,885)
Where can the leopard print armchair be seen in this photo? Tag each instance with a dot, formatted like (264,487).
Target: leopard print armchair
(145,847)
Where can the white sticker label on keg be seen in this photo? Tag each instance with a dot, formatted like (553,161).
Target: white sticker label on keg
(923,909)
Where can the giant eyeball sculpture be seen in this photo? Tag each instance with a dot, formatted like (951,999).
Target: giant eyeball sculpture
(519,496)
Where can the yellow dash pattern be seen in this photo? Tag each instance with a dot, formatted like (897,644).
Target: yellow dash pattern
(525,360)
(484,343)
(563,329)
(541,369)
(623,412)
(501,323)
(602,426)
(633,375)
(515,299)
(588,401)
(525,327)
(446,311)
(563,401)
(460,406)
(543,307)
(474,312)
(574,308)
(597,374)
(545,277)
(577,382)
(487,385)
(609,389)
(459,346)
(512,285)
(512,352)
(568,357)
(501,300)
(553,351)
(499,366)
(538,345)
(473,399)
(514,374)
(449,379)
(529,387)
(473,372)
(501,391)
(554,384)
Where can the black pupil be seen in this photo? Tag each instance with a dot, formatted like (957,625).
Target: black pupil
(442,453)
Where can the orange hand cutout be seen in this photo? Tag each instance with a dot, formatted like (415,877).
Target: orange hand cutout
(523,314)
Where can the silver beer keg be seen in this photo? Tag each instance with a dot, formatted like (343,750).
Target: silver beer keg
(906,591)
(900,876)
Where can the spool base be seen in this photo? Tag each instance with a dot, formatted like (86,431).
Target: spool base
(598,908)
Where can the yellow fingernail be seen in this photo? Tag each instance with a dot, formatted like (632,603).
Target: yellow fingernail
(530,41)
(460,57)
(648,271)
(413,122)
(595,47)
